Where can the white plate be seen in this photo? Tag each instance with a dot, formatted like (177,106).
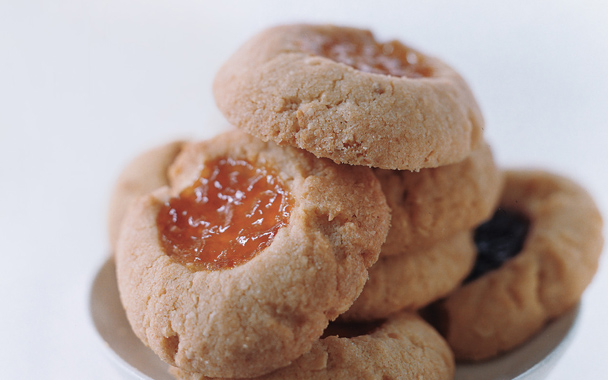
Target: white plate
(532,361)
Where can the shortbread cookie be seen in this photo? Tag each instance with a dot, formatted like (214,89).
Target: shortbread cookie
(147,172)
(435,203)
(236,269)
(338,93)
(559,256)
(402,347)
(414,279)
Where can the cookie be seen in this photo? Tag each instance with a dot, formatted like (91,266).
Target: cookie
(143,174)
(402,347)
(237,267)
(498,310)
(414,279)
(435,203)
(338,93)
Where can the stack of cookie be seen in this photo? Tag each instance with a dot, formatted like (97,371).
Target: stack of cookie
(304,243)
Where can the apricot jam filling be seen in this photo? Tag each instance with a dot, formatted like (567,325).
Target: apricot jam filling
(231,213)
(391,58)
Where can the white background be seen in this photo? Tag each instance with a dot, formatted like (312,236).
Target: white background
(85,86)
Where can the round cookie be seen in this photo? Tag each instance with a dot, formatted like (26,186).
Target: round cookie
(402,347)
(336,92)
(247,318)
(503,307)
(147,172)
(435,203)
(414,279)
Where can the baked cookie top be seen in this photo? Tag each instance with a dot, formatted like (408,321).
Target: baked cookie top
(338,93)
(432,204)
(225,311)
(562,242)
(146,172)
(401,347)
(414,279)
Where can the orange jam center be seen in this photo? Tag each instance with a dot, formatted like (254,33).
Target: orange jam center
(226,217)
(391,58)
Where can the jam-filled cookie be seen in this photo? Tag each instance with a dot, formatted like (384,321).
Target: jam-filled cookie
(414,279)
(536,257)
(435,203)
(338,93)
(237,267)
(147,172)
(401,347)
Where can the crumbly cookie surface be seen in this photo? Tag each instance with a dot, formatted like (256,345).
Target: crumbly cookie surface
(414,279)
(260,315)
(145,173)
(504,307)
(432,204)
(403,347)
(279,86)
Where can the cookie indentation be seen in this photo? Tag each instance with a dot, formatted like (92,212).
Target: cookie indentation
(367,55)
(170,345)
(231,213)
(497,240)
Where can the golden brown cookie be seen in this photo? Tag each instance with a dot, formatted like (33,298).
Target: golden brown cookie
(237,267)
(559,256)
(340,94)
(402,347)
(414,279)
(145,173)
(433,204)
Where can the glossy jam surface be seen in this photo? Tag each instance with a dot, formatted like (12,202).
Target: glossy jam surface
(231,213)
(367,55)
(497,240)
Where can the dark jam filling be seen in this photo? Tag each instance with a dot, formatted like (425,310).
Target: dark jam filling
(498,240)
(351,329)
